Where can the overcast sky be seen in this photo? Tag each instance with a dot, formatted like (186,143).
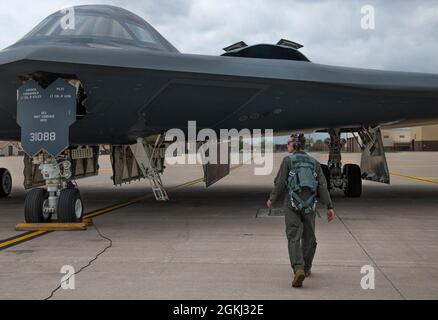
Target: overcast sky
(405,35)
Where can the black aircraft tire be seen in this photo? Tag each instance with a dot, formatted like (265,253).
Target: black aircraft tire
(5,183)
(353,175)
(70,206)
(34,206)
(326,172)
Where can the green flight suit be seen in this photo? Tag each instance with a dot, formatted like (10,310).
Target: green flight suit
(300,227)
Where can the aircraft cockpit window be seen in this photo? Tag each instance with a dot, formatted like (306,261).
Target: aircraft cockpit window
(141,33)
(94,27)
(84,25)
(99,27)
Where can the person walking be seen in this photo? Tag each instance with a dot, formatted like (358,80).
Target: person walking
(301,176)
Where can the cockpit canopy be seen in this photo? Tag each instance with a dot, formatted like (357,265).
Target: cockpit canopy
(100,24)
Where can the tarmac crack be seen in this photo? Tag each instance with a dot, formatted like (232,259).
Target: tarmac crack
(372,259)
(110,244)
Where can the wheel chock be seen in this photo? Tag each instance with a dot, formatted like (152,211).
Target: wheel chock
(54,226)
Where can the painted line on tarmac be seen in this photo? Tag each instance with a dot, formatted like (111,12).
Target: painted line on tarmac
(21,238)
(27,236)
(413,178)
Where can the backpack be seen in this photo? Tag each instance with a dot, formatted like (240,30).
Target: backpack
(302,177)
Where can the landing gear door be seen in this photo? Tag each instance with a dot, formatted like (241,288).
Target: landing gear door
(214,172)
(374,165)
(45,116)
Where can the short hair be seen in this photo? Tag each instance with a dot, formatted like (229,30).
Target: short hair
(298,140)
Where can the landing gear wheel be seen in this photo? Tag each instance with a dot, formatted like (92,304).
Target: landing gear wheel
(5,183)
(326,172)
(34,204)
(70,206)
(353,176)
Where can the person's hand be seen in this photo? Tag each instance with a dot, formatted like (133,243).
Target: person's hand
(331,215)
(269,204)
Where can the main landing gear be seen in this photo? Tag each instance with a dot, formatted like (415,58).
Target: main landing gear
(347,178)
(5,183)
(373,167)
(59,195)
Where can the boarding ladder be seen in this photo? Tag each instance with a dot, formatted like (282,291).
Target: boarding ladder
(145,157)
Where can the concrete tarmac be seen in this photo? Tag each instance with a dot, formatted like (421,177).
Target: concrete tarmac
(208,243)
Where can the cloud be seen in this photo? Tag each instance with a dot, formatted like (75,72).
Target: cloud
(405,37)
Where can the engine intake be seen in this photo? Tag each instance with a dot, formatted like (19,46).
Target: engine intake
(283,50)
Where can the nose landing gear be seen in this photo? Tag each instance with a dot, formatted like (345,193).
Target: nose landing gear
(59,196)
(45,115)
